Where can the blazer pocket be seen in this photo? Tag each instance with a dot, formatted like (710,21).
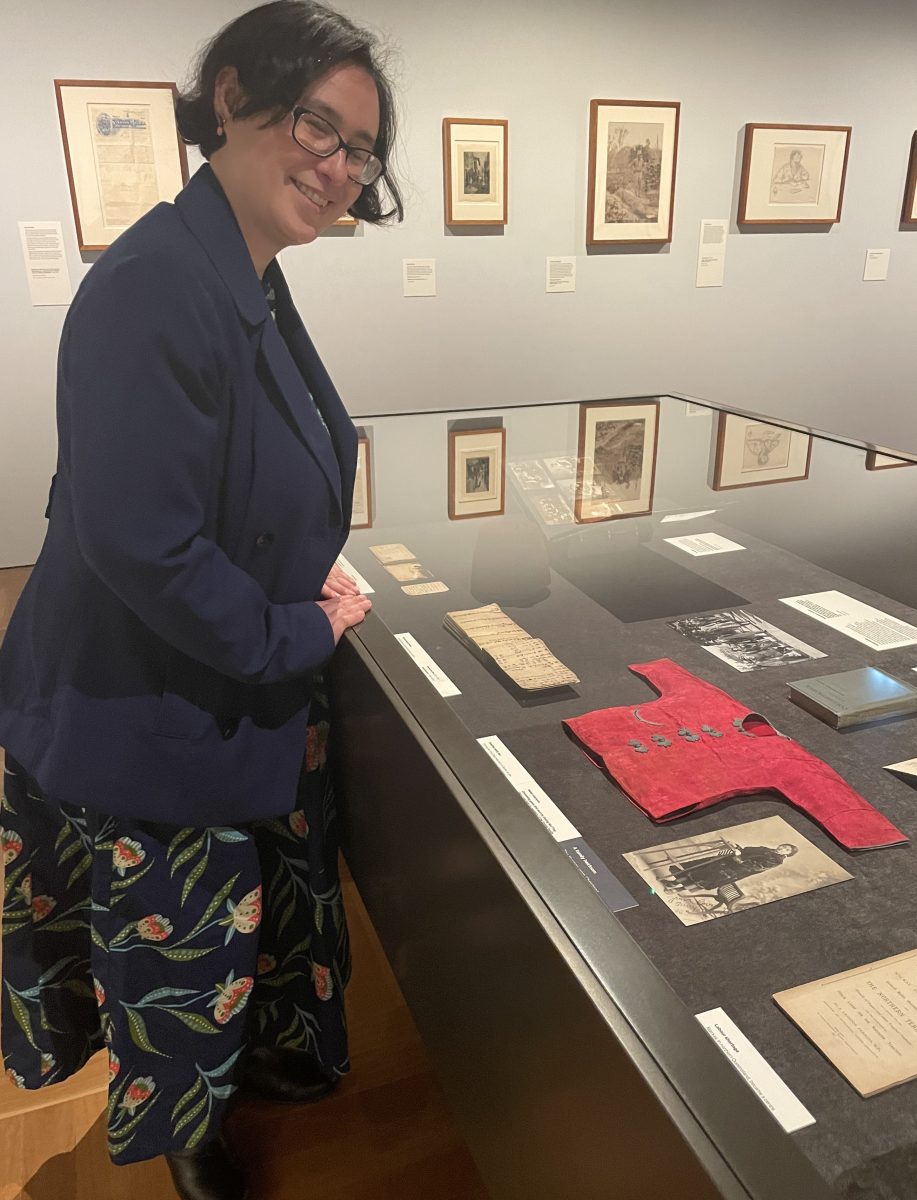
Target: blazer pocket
(176,717)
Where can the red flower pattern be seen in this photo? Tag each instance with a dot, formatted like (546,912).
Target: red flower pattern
(41,906)
(246,916)
(322,981)
(154,928)
(137,1093)
(11,845)
(298,823)
(316,746)
(266,964)
(232,997)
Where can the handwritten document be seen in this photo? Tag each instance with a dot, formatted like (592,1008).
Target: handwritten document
(527,661)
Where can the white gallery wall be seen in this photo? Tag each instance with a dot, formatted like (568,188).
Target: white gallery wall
(795,332)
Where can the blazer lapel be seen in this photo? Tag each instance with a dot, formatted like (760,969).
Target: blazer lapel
(291,385)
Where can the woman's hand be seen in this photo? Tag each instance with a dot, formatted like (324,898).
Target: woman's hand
(339,583)
(344,612)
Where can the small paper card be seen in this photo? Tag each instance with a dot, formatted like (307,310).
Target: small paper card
(438,678)
(393,552)
(424,589)
(348,568)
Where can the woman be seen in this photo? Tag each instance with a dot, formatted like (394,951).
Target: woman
(160,699)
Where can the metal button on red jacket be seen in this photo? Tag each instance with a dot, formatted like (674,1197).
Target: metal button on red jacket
(696,746)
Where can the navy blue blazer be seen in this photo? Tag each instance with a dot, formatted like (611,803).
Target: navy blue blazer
(160,660)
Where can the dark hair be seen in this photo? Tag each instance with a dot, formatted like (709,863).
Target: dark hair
(278,50)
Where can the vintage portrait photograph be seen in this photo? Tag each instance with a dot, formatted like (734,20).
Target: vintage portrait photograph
(122,151)
(744,641)
(475,171)
(739,867)
(409,572)
(793,174)
(617,459)
(750,452)
(362,515)
(477,472)
(632,157)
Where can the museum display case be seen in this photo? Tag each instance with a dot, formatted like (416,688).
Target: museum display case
(557,982)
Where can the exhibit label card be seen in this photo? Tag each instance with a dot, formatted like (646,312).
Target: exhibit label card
(756,1071)
(45,262)
(691,516)
(711,254)
(610,890)
(857,620)
(876,267)
(438,678)
(700,544)
(419,276)
(864,1021)
(366,589)
(560,275)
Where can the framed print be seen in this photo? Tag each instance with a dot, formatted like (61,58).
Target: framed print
(885,462)
(793,174)
(750,452)
(475,171)
(633,146)
(909,211)
(616,463)
(362,512)
(123,153)
(477,473)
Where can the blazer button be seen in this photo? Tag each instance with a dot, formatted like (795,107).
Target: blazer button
(230,728)
(263,540)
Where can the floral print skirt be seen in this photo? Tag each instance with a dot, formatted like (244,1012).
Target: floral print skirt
(175,948)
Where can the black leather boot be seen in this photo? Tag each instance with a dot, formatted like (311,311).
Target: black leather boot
(207,1172)
(287,1076)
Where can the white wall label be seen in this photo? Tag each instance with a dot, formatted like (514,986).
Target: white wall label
(560,275)
(425,663)
(711,254)
(876,266)
(45,262)
(419,276)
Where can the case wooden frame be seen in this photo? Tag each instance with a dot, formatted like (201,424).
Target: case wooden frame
(453,202)
(721,466)
(78,172)
(754,201)
(365,450)
(583,504)
(909,208)
(497,434)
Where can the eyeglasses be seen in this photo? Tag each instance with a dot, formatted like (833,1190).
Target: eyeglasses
(320,137)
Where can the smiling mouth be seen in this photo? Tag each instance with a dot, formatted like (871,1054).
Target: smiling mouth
(318,200)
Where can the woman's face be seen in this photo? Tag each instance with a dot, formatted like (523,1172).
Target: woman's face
(283,195)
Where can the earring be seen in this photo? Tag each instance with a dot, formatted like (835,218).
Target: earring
(220,126)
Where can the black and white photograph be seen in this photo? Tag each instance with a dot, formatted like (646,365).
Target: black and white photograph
(530,474)
(733,869)
(796,174)
(744,641)
(633,148)
(475,171)
(634,162)
(793,174)
(477,472)
(616,464)
(409,572)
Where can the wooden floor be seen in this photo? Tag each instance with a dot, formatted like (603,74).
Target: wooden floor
(386,1132)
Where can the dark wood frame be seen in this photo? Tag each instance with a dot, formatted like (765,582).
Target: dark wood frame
(363,441)
(873,465)
(103,83)
(594,106)
(581,459)
(908,216)
(719,486)
(454,435)
(746,169)
(448,199)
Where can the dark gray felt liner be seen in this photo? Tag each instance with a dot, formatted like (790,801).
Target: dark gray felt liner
(739,961)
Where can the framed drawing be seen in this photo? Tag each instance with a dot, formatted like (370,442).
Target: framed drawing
(123,153)
(477,473)
(793,174)
(475,171)
(750,452)
(362,512)
(909,211)
(633,146)
(616,463)
(885,462)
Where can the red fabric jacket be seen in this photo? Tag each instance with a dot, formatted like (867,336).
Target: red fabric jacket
(696,746)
